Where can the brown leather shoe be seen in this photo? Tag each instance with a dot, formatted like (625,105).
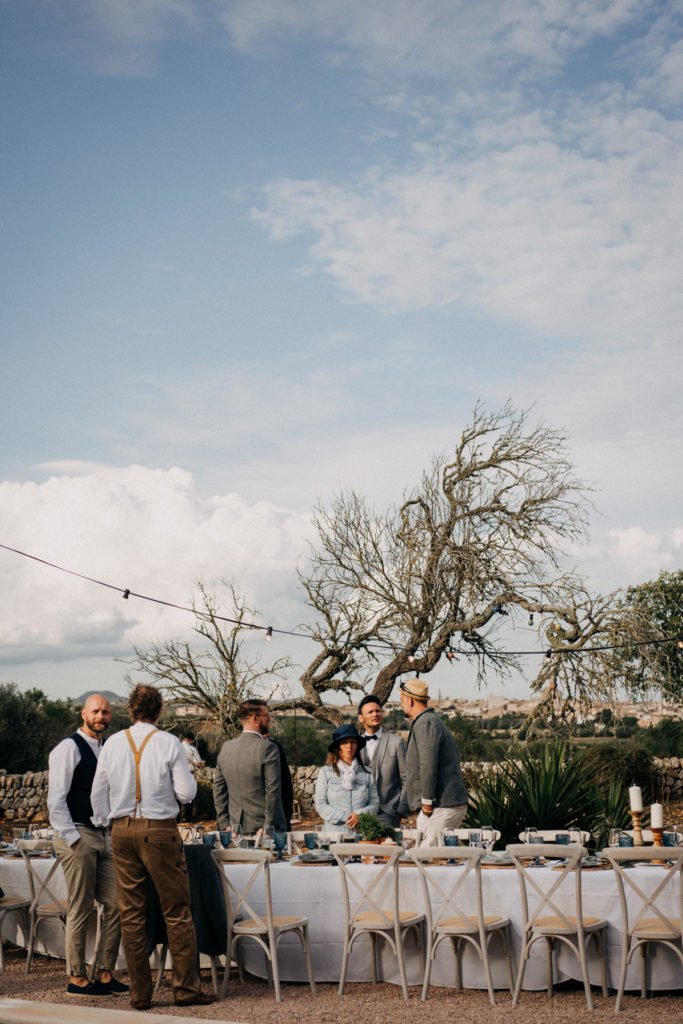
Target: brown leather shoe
(141,1004)
(201,999)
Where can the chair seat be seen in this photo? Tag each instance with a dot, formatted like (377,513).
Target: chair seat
(556,924)
(373,919)
(451,925)
(653,928)
(57,909)
(280,923)
(13,902)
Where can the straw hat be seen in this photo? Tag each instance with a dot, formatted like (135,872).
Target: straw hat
(415,688)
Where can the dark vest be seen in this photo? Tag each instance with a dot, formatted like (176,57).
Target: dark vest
(78,797)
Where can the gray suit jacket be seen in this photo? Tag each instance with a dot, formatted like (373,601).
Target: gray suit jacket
(246,784)
(433,764)
(388,769)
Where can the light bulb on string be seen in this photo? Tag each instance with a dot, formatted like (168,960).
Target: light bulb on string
(126,594)
(531,618)
(269,634)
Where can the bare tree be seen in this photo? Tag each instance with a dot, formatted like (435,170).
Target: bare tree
(477,544)
(217,674)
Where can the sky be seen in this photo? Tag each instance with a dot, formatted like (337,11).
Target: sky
(254,254)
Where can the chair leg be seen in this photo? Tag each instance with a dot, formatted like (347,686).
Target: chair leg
(429,953)
(307,954)
(214,973)
(401,961)
(520,972)
(276,971)
(162,967)
(507,951)
(584,973)
(31,942)
(373,940)
(345,964)
(643,970)
(622,973)
(549,966)
(602,950)
(484,943)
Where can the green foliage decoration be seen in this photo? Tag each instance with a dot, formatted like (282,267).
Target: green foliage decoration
(371,828)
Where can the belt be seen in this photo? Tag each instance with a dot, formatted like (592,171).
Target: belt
(92,828)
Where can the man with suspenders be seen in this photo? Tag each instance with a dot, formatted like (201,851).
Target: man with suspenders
(140,779)
(85,852)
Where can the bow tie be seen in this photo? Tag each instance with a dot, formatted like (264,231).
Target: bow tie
(371,737)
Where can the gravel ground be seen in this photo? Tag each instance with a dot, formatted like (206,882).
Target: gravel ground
(252,1003)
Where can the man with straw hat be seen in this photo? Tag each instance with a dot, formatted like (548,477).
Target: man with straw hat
(434,783)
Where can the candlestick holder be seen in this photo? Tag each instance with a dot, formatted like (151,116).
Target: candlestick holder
(636,817)
(657,836)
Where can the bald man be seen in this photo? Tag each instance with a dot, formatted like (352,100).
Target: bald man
(85,852)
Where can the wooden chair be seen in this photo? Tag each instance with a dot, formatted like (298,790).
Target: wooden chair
(453,920)
(364,915)
(244,922)
(547,921)
(648,919)
(44,905)
(11,905)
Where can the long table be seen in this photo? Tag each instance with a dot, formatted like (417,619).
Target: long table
(315,891)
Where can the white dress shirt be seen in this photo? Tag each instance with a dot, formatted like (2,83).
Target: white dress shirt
(62,764)
(165,778)
(371,745)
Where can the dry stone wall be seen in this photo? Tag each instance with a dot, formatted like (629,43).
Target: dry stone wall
(24,797)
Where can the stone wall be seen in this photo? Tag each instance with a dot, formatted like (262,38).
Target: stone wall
(24,797)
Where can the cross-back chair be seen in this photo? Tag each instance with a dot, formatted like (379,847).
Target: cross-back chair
(245,922)
(365,907)
(448,901)
(44,905)
(648,918)
(543,896)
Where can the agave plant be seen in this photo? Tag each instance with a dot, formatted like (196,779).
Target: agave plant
(611,810)
(551,788)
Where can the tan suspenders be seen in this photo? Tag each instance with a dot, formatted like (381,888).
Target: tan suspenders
(137,754)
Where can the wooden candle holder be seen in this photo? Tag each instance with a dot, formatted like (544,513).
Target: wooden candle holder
(636,817)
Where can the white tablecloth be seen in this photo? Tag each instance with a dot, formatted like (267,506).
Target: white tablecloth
(316,893)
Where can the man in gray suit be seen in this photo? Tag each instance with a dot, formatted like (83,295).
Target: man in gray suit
(434,783)
(384,754)
(246,782)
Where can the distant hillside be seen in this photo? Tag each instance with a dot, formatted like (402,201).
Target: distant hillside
(113,698)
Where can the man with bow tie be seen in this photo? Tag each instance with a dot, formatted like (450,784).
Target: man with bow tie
(384,755)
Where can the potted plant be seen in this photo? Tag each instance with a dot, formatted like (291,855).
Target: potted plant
(372,830)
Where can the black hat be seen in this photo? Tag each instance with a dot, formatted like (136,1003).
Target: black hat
(346,732)
(369,698)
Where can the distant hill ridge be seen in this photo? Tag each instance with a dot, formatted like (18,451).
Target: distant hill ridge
(113,698)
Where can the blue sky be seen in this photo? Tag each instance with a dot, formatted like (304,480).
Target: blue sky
(256,253)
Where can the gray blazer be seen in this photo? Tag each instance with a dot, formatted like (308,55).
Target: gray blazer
(246,784)
(433,764)
(388,769)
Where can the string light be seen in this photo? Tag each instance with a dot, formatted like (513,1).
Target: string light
(531,618)
(269,631)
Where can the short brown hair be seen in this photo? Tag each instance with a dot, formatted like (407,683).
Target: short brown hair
(250,707)
(145,703)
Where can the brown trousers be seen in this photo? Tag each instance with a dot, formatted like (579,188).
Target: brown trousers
(153,849)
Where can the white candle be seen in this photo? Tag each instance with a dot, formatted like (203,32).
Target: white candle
(635,798)
(656,816)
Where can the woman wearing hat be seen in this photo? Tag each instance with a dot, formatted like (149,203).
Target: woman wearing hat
(345,787)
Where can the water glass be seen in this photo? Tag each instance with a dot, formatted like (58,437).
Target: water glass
(236,830)
(209,839)
(671,838)
(531,834)
(267,837)
(625,839)
(475,838)
(225,838)
(279,842)
(311,840)
(488,838)
(562,838)
(614,834)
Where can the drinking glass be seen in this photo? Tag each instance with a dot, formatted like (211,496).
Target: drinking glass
(475,838)
(236,830)
(279,842)
(614,834)
(562,838)
(209,839)
(226,839)
(311,840)
(267,837)
(531,834)
(488,838)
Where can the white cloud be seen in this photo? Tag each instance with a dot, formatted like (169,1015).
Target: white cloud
(563,238)
(430,37)
(138,528)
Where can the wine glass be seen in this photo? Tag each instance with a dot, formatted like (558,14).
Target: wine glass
(236,830)
(279,842)
(531,834)
(614,834)
(267,837)
(488,838)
